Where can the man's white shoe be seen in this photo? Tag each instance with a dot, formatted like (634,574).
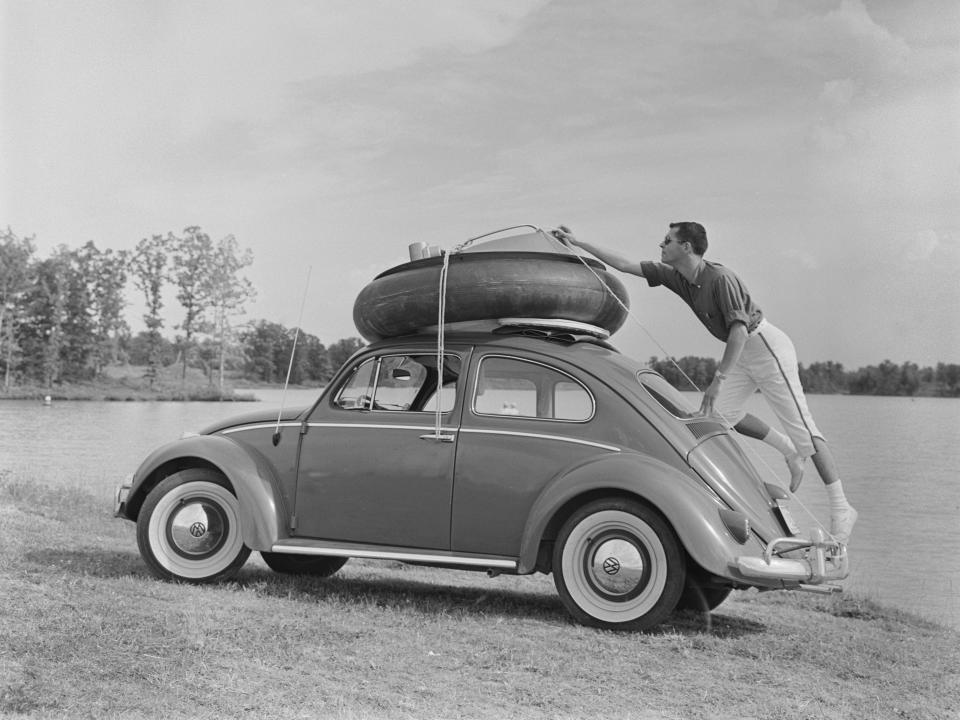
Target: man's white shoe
(795,466)
(841,524)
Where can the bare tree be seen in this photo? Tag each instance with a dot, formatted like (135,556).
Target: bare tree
(107,276)
(228,291)
(192,271)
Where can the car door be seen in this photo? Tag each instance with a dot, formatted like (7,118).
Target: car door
(370,468)
(527,421)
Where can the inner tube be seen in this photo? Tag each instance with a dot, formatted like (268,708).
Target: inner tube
(488,286)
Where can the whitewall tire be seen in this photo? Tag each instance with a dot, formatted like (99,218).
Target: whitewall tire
(618,564)
(189,528)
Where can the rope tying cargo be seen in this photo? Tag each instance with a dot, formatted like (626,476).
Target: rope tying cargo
(441,322)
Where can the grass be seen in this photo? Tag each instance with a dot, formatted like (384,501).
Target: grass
(129,383)
(85,632)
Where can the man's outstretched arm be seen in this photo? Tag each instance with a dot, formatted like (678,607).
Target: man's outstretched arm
(564,235)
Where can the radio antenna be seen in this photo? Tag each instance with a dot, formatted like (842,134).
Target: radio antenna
(293,352)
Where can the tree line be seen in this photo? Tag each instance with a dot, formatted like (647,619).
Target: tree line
(62,320)
(62,317)
(887,378)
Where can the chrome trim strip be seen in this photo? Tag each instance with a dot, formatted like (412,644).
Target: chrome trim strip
(539,436)
(259,426)
(373,426)
(379,426)
(431,428)
(392,555)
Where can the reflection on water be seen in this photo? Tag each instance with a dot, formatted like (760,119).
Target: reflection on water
(898,459)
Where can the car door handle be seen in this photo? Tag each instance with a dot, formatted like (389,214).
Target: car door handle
(439,438)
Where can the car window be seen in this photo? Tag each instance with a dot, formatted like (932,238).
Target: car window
(665,394)
(571,401)
(405,383)
(357,392)
(448,395)
(510,386)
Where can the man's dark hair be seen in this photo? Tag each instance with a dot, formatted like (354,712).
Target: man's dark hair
(693,233)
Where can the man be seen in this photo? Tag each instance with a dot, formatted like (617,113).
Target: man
(756,355)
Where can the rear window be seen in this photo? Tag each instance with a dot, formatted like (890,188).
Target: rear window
(666,395)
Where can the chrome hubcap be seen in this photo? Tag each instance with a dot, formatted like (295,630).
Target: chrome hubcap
(197,528)
(616,567)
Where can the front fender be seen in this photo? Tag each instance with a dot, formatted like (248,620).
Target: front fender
(690,508)
(251,476)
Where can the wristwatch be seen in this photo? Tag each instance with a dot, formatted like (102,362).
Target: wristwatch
(719,376)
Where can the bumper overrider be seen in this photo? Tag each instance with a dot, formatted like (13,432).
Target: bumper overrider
(120,497)
(812,562)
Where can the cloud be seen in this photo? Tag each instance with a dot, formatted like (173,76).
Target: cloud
(922,245)
(837,94)
(804,258)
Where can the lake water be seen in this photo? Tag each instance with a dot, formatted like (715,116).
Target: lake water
(899,460)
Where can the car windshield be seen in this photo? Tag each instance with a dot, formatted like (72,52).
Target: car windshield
(665,394)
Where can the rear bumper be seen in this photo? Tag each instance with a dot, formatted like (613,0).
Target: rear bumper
(812,561)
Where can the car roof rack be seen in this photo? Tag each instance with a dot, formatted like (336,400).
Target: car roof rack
(559,335)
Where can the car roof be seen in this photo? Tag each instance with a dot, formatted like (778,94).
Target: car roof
(526,338)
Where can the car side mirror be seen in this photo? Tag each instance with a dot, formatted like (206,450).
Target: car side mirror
(400,374)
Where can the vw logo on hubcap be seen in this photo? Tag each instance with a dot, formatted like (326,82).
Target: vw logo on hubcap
(198,529)
(611,566)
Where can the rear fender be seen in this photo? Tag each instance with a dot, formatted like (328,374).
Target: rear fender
(252,479)
(690,508)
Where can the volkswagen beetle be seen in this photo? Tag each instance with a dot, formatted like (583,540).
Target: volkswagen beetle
(519,451)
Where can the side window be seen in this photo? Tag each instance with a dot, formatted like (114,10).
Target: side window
(404,383)
(508,386)
(571,401)
(357,392)
(447,397)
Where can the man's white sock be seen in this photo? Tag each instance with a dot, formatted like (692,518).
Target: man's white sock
(838,501)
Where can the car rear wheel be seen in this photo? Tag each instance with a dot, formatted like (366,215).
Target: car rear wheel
(189,528)
(617,564)
(318,565)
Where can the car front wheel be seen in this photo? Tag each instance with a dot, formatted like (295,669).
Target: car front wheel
(617,564)
(189,528)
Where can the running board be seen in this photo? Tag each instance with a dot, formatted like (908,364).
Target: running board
(428,557)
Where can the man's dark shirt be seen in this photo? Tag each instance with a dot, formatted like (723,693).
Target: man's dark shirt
(718,298)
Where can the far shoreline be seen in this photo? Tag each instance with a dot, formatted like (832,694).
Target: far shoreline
(99,392)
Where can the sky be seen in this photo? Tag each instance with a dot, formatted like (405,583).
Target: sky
(818,141)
